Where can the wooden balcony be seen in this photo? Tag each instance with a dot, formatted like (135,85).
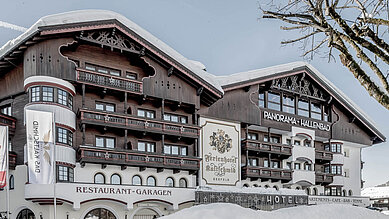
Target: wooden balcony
(267,147)
(138,123)
(323,156)
(323,178)
(136,158)
(284,175)
(12,160)
(9,121)
(109,81)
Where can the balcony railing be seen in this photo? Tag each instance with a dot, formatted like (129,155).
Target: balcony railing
(109,81)
(323,155)
(268,173)
(324,178)
(262,146)
(136,158)
(12,160)
(9,121)
(138,123)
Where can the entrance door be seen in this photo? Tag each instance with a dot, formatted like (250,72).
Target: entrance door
(146,213)
(100,213)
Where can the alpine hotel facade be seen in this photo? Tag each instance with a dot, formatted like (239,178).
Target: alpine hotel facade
(138,127)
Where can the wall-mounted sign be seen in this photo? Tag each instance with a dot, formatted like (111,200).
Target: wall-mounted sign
(296,121)
(220,151)
(358,201)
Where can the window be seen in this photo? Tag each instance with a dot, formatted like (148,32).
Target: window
(131,75)
(169,182)
(253,162)
(275,187)
(64,136)
(326,114)
(136,180)
(11,182)
(146,146)
(288,141)
(105,142)
(303,108)
(314,191)
(337,170)
(266,163)
(307,143)
(289,165)
(308,191)
(297,166)
(35,94)
(99,178)
(6,110)
(288,104)
(62,97)
(262,100)
(175,118)
(336,147)
(65,174)
(100,213)
(274,101)
(101,69)
(297,142)
(346,152)
(273,139)
(252,136)
(175,150)
(183,183)
(350,192)
(146,113)
(116,179)
(308,167)
(316,111)
(47,94)
(26,214)
(275,164)
(105,106)
(151,181)
(326,169)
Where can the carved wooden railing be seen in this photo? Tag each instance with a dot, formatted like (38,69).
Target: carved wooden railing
(109,81)
(324,178)
(323,155)
(136,158)
(269,147)
(269,173)
(139,123)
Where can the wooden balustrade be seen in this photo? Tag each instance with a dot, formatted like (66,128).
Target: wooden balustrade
(324,178)
(136,158)
(139,123)
(9,121)
(269,147)
(268,173)
(323,155)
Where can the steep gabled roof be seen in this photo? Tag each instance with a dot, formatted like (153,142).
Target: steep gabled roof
(85,16)
(244,79)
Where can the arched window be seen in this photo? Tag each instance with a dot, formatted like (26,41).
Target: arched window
(255,185)
(350,192)
(314,191)
(275,187)
(297,188)
(100,213)
(25,213)
(11,182)
(116,179)
(344,192)
(169,182)
(151,181)
(245,185)
(99,178)
(308,191)
(267,186)
(183,183)
(136,180)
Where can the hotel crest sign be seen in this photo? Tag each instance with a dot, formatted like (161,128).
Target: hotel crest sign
(220,150)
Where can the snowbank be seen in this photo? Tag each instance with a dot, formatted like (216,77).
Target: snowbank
(255,190)
(376,192)
(231,211)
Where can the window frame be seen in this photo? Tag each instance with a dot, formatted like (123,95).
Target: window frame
(140,180)
(180,149)
(146,145)
(113,175)
(105,138)
(275,103)
(68,136)
(99,173)
(104,105)
(146,113)
(180,118)
(103,69)
(65,171)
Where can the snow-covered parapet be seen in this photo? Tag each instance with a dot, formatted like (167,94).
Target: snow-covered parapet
(251,190)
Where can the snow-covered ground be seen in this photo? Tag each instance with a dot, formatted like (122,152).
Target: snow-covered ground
(232,211)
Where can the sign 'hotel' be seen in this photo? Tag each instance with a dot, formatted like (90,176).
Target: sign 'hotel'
(139,131)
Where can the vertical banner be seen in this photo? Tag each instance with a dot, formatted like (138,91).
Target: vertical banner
(3,155)
(40,147)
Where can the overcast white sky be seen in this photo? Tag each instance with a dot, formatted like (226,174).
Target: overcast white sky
(226,36)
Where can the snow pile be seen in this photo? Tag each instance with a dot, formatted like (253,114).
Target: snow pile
(255,190)
(376,192)
(231,211)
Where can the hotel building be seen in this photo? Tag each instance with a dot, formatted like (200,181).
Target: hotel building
(138,127)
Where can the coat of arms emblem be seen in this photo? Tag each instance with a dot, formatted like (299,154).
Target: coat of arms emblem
(220,141)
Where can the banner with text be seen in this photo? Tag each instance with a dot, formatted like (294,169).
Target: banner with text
(40,147)
(3,155)
(220,151)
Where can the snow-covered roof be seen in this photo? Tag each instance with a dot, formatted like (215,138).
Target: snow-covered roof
(376,192)
(243,77)
(81,16)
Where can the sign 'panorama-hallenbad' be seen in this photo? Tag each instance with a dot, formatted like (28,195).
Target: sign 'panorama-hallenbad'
(296,121)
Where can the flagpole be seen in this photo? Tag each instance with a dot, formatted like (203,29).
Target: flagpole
(7,169)
(55,167)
